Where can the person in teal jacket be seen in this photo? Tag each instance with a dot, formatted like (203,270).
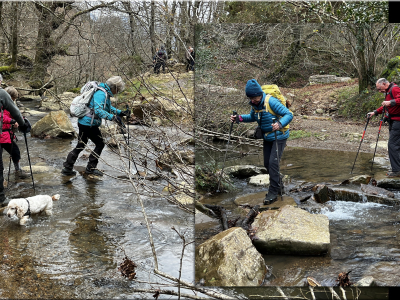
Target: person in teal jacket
(89,124)
(268,126)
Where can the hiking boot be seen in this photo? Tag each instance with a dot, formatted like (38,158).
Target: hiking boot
(3,201)
(68,171)
(393,174)
(21,174)
(93,172)
(270,198)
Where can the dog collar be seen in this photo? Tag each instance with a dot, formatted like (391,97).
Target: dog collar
(28,212)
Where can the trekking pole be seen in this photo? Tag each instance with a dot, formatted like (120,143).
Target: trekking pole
(27,151)
(129,150)
(277,157)
(9,165)
(127,142)
(362,138)
(379,131)
(234,113)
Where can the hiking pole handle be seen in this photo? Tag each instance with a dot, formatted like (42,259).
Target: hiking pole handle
(234,113)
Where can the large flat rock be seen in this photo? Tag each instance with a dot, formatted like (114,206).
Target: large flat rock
(293,231)
(258,199)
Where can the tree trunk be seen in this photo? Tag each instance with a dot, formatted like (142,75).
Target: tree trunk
(14,34)
(152,24)
(170,28)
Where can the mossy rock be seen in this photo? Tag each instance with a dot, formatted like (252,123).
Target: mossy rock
(7,69)
(392,71)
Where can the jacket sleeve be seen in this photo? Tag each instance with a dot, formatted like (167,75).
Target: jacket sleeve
(99,99)
(281,110)
(8,104)
(396,96)
(251,117)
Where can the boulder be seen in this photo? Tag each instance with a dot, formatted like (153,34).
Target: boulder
(55,124)
(260,180)
(184,199)
(293,231)
(229,259)
(244,171)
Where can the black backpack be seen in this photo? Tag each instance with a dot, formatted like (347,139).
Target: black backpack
(160,53)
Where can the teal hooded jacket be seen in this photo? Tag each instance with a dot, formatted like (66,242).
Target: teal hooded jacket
(284,117)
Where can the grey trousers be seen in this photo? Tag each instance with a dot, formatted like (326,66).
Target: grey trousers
(271,163)
(394,146)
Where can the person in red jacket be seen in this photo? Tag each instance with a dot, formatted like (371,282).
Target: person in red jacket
(392,112)
(7,137)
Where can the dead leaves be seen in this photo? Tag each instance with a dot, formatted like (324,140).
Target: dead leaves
(127,268)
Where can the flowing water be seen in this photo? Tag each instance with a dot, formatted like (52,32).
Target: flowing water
(76,252)
(364,236)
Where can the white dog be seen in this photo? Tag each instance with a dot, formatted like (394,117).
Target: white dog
(24,207)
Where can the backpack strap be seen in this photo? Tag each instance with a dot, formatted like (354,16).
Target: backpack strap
(1,120)
(91,114)
(268,109)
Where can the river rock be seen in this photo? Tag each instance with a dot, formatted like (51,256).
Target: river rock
(322,193)
(37,169)
(361,179)
(230,259)
(315,79)
(386,273)
(373,190)
(184,199)
(244,171)
(258,199)
(343,194)
(260,180)
(389,183)
(381,144)
(54,124)
(366,281)
(293,231)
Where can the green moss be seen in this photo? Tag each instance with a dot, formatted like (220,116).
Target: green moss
(75,90)
(392,70)
(7,69)
(298,134)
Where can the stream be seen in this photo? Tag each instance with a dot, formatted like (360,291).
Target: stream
(364,236)
(76,252)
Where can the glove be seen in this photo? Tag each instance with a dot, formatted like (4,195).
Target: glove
(118,120)
(12,122)
(125,113)
(26,127)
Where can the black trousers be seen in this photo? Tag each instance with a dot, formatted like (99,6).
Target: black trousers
(86,133)
(394,146)
(2,195)
(157,66)
(271,163)
(13,150)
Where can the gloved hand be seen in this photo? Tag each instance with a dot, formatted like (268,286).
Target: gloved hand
(125,113)
(26,127)
(118,120)
(12,122)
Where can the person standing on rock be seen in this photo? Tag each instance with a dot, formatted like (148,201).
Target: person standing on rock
(265,119)
(7,103)
(100,105)
(7,138)
(392,106)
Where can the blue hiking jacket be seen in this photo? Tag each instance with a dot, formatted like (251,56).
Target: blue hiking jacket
(97,102)
(283,114)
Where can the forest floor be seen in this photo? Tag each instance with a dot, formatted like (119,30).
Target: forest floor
(317,124)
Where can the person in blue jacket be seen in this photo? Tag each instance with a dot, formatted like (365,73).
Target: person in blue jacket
(89,124)
(283,117)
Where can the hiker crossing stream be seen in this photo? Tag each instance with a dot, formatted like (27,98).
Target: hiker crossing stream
(363,230)
(76,252)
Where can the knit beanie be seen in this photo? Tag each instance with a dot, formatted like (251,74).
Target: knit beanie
(253,89)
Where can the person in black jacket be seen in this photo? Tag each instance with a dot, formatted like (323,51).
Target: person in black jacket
(7,103)
(190,59)
(160,59)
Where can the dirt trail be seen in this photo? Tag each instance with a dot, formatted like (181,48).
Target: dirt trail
(327,130)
